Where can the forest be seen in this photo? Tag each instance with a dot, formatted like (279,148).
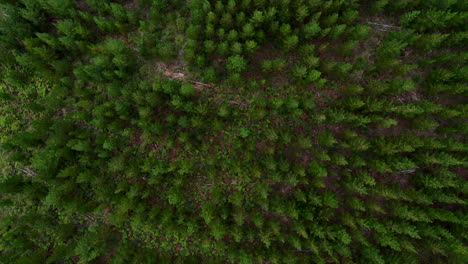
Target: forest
(233,131)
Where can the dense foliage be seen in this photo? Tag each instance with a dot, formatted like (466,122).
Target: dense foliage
(233,131)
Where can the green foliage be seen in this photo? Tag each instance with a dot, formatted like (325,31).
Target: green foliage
(236,64)
(237,131)
(311,29)
(187,90)
(290,42)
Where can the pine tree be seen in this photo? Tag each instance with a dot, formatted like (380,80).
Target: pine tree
(290,42)
(326,138)
(311,29)
(250,46)
(429,42)
(236,64)
(337,31)
(248,31)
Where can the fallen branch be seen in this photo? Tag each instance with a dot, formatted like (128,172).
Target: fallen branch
(177,75)
(383,25)
(29,172)
(407,171)
(200,83)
